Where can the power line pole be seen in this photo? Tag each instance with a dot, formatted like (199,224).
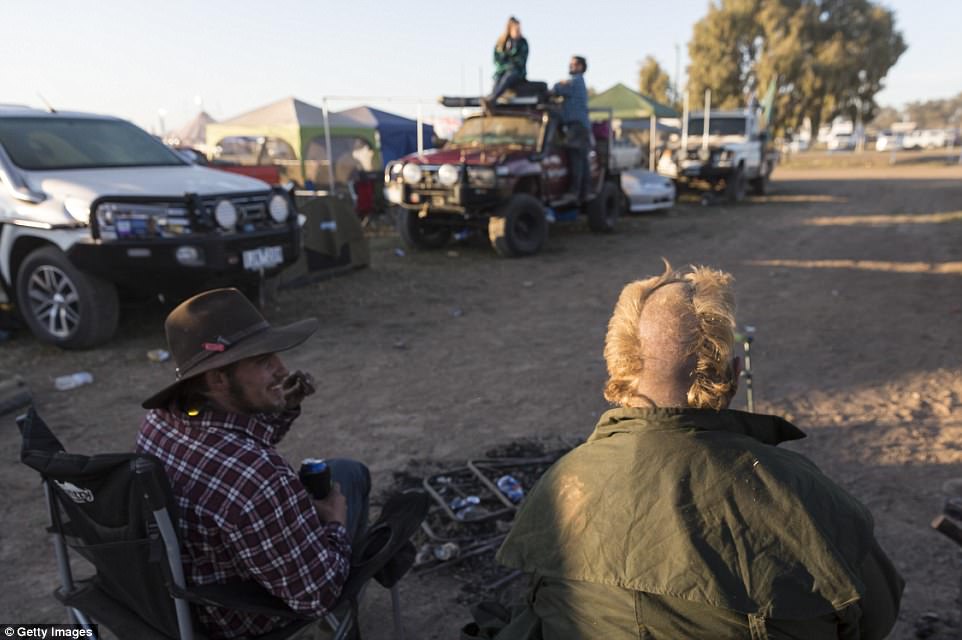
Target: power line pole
(674,91)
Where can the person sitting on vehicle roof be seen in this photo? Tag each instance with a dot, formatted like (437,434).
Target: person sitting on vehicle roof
(577,128)
(244,514)
(681,518)
(510,61)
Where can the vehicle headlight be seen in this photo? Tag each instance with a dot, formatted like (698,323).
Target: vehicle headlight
(448,175)
(411,173)
(279,208)
(77,209)
(225,213)
(126,220)
(392,171)
(481,177)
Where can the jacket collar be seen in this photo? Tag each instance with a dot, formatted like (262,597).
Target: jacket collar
(765,428)
(257,426)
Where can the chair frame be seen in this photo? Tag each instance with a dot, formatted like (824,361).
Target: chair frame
(155,498)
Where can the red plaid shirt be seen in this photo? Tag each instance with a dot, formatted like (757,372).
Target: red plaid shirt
(244,514)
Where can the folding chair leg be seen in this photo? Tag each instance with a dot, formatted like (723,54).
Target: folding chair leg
(396,609)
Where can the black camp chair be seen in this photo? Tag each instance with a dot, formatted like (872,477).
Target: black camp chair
(116,511)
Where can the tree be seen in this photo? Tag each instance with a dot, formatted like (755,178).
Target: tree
(886,117)
(935,114)
(653,81)
(827,57)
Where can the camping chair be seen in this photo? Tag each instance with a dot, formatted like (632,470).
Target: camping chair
(117,511)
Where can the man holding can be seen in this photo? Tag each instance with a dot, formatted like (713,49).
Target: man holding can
(244,514)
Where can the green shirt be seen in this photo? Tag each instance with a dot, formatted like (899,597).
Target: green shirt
(700,510)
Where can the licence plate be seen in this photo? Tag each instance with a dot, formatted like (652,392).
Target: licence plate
(263,258)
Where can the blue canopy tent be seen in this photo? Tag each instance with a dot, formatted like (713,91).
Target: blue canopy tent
(398,135)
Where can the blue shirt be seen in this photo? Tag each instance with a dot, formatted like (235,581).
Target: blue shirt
(575,105)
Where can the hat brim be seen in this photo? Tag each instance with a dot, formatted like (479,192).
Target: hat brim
(272,340)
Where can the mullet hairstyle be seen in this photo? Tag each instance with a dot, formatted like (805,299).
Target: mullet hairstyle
(712,302)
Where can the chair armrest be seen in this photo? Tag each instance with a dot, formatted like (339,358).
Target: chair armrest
(249,597)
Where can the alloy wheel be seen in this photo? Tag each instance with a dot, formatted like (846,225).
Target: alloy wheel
(54,301)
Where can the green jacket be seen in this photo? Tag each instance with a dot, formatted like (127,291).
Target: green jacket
(685,523)
(513,58)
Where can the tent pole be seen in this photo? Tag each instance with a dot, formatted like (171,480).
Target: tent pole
(327,143)
(420,132)
(652,131)
(684,124)
(706,121)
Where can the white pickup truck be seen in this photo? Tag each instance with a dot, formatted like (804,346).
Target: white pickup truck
(92,208)
(733,155)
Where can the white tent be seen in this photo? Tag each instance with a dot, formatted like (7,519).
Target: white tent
(193,134)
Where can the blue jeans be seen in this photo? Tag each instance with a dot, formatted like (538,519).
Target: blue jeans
(502,83)
(355,481)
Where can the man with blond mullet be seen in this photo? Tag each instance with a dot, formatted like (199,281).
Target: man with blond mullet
(680,518)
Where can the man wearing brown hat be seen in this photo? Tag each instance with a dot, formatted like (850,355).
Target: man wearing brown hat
(244,514)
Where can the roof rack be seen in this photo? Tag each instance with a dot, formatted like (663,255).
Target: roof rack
(475,101)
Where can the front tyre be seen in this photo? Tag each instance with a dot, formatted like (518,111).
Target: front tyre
(519,228)
(604,210)
(63,305)
(419,234)
(735,186)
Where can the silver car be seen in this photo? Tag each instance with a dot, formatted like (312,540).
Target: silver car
(647,191)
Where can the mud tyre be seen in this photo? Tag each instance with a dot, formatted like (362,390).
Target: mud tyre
(63,305)
(604,211)
(519,228)
(735,187)
(419,234)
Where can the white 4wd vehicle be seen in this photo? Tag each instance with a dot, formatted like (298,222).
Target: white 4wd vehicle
(734,154)
(92,207)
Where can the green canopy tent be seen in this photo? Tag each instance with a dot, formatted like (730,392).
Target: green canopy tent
(628,104)
(290,134)
(631,111)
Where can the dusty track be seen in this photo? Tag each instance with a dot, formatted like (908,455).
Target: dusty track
(859,338)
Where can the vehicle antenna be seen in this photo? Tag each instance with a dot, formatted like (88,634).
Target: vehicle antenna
(49,106)
(481,93)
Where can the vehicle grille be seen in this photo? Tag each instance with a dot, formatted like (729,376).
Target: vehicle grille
(251,209)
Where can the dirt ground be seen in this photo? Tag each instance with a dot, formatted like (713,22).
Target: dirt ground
(852,278)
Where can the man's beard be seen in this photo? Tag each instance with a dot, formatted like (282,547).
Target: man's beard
(242,402)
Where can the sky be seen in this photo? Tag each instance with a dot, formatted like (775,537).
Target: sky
(163,61)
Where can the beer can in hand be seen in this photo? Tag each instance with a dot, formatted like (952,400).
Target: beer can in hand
(315,475)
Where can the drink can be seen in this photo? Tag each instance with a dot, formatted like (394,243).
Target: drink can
(315,475)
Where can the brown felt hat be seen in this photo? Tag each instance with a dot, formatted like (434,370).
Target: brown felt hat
(219,327)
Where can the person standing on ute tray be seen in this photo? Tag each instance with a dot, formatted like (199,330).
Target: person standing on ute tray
(510,61)
(244,515)
(577,128)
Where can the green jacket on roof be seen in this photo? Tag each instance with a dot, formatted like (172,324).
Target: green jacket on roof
(690,523)
(513,59)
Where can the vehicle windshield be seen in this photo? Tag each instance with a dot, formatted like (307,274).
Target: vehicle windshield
(516,130)
(46,143)
(717,126)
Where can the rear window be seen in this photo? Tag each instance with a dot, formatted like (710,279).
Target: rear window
(717,126)
(47,143)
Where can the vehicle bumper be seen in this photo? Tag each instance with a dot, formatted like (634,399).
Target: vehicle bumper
(705,172)
(459,200)
(153,263)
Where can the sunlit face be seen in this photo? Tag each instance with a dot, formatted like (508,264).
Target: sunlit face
(255,384)
(514,30)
